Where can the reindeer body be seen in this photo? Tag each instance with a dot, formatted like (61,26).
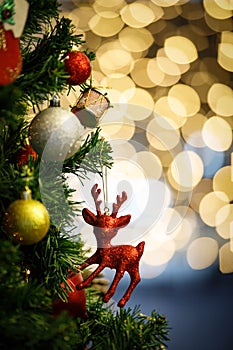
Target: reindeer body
(120,257)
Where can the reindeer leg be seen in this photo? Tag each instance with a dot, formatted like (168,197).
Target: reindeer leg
(111,290)
(94,259)
(135,279)
(88,280)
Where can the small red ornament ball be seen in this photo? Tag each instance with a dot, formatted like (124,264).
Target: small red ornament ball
(76,304)
(24,153)
(78,65)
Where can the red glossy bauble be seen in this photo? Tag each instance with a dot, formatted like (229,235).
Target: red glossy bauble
(10,57)
(76,304)
(78,66)
(24,153)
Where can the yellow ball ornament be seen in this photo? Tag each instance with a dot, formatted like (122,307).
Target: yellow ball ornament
(26,221)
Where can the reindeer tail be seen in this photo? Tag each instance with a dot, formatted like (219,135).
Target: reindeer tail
(140,248)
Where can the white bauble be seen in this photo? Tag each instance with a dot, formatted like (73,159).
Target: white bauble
(55,134)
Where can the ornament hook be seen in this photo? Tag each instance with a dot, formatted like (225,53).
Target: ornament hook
(55,101)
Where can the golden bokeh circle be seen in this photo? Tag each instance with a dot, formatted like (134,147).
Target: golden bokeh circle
(226,258)
(135,39)
(210,205)
(192,130)
(184,100)
(137,15)
(162,108)
(140,75)
(202,253)
(220,99)
(155,74)
(180,49)
(225,4)
(187,169)
(122,149)
(224,220)
(81,16)
(114,61)
(124,130)
(161,138)
(105,27)
(113,4)
(225,58)
(203,188)
(150,164)
(215,11)
(139,103)
(217,134)
(165,64)
(165,3)
(222,181)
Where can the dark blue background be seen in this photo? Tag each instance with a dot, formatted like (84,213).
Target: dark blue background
(197,304)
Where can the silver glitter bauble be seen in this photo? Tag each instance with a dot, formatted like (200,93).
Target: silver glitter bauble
(55,134)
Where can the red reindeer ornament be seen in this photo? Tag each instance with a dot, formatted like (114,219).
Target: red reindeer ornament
(120,257)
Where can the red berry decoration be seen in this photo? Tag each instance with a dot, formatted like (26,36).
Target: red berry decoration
(78,65)
(24,153)
(76,304)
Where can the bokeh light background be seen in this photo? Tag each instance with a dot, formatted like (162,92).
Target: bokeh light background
(166,66)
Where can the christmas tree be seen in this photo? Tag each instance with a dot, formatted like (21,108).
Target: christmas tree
(40,305)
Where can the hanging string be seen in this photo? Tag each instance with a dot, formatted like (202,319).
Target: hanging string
(105,188)
(104,171)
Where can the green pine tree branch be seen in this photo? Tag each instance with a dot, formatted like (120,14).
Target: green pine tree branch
(28,305)
(93,154)
(43,67)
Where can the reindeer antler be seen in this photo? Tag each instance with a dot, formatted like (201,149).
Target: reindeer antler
(119,201)
(95,191)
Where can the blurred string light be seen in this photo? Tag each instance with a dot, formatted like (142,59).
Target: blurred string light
(167,66)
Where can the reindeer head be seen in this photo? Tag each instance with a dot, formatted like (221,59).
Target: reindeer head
(105,226)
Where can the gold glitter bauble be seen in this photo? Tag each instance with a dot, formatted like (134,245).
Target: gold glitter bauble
(26,221)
